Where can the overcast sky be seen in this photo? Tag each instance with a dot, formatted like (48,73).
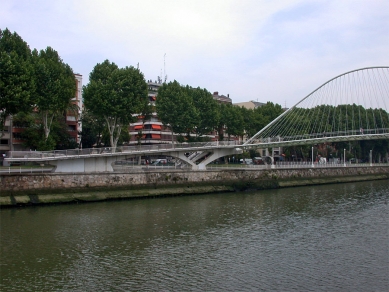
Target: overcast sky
(265,50)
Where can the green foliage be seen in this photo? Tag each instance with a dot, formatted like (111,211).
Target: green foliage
(176,108)
(232,119)
(33,134)
(61,136)
(16,83)
(34,80)
(115,94)
(92,129)
(207,110)
(326,118)
(270,111)
(124,137)
(55,86)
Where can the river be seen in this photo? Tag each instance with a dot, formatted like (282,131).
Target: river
(321,238)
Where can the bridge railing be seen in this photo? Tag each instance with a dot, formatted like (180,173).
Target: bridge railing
(293,165)
(55,154)
(323,135)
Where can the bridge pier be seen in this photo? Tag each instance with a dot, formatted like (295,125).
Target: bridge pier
(91,164)
(217,153)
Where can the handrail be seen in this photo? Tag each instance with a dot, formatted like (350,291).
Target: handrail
(194,147)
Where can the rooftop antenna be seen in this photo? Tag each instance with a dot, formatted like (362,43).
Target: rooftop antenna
(164,68)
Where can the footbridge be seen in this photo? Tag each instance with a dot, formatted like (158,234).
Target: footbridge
(102,159)
(349,107)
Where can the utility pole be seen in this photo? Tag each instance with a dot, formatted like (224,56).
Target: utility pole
(164,68)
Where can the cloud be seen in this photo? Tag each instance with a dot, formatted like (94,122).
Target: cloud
(253,49)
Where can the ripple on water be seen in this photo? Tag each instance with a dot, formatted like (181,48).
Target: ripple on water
(328,238)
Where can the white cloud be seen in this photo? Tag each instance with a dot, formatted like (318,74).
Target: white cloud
(270,50)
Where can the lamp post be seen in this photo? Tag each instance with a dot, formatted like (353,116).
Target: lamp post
(312,158)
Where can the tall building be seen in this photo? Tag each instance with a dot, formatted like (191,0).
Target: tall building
(71,117)
(152,130)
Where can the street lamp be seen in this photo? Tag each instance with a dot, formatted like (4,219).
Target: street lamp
(312,157)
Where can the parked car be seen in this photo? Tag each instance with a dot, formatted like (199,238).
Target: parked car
(246,161)
(162,162)
(258,160)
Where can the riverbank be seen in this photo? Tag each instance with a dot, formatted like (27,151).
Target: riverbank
(53,188)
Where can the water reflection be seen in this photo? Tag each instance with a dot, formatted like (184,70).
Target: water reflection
(332,237)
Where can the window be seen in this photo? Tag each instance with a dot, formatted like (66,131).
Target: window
(71,118)
(17,136)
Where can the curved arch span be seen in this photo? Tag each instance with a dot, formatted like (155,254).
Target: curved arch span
(310,94)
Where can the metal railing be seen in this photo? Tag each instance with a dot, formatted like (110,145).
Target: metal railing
(135,168)
(62,154)
(360,132)
(292,165)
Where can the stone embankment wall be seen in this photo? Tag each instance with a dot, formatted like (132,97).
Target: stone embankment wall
(19,189)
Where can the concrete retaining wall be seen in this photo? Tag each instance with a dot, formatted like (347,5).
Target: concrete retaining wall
(38,188)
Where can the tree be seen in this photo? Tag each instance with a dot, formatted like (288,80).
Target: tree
(207,109)
(92,129)
(123,138)
(55,86)
(254,121)
(233,120)
(270,111)
(116,94)
(16,76)
(32,135)
(175,108)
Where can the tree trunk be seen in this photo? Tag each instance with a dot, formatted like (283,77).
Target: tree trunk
(113,126)
(47,121)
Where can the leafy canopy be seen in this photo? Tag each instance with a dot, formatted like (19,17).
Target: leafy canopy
(17,75)
(116,94)
(55,86)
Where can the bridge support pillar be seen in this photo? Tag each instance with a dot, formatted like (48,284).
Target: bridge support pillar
(217,153)
(91,164)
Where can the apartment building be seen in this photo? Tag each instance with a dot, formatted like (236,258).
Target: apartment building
(72,118)
(153,131)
